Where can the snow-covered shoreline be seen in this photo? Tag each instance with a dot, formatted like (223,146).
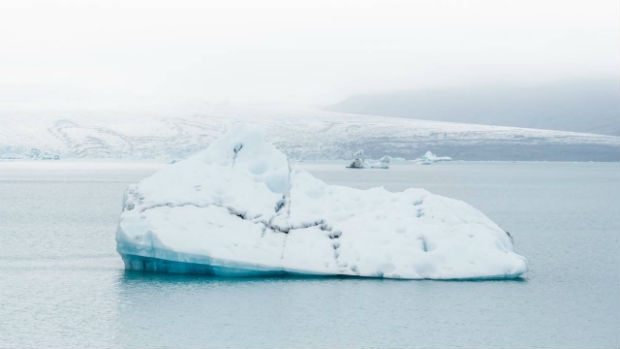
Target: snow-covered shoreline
(301,133)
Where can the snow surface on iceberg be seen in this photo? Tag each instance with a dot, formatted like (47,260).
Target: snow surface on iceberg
(239,208)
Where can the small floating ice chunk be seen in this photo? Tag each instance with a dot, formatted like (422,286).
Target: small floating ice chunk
(244,211)
(395,158)
(360,161)
(384,162)
(430,158)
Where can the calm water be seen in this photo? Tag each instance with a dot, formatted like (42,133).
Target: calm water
(62,285)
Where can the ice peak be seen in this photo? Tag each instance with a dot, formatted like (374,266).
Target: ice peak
(246,150)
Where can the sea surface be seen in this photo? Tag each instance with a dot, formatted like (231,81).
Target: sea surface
(62,285)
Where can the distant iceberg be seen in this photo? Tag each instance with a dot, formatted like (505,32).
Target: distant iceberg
(395,158)
(360,161)
(430,158)
(239,208)
(384,162)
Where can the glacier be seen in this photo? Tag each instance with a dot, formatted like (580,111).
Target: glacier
(241,208)
(302,133)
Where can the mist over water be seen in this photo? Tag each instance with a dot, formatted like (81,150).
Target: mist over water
(585,105)
(105,54)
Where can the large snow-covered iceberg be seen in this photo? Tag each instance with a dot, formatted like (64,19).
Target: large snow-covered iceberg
(239,208)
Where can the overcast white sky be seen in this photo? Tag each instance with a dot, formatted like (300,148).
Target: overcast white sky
(309,51)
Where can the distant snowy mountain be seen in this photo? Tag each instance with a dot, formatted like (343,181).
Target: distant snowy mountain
(300,133)
(586,105)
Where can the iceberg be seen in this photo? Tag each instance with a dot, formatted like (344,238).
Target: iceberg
(384,162)
(240,208)
(360,162)
(395,158)
(430,158)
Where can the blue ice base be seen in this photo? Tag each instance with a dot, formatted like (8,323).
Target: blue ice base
(157,265)
(155,257)
(150,264)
